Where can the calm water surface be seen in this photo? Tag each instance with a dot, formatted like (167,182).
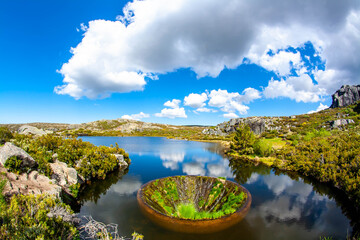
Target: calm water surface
(283,207)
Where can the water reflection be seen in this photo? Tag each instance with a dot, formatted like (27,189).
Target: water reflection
(285,206)
(194,168)
(171,160)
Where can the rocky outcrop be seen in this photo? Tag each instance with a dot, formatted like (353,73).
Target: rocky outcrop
(340,123)
(10,150)
(257,125)
(214,131)
(345,96)
(64,175)
(26,129)
(121,161)
(32,183)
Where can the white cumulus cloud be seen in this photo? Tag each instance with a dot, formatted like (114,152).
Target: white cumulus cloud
(281,63)
(195,100)
(154,37)
(300,89)
(173,103)
(137,116)
(204,109)
(232,102)
(172,113)
(320,108)
(230,115)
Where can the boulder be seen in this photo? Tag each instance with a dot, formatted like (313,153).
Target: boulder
(10,150)
(121,161)
(257,125)
(340,122)
(213,131)
(32,183)
(26,129)
(345,96)
(64,214)
(64,175)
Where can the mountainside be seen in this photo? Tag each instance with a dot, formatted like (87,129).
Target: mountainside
(345,116)
(116,127)
(343,113)
(338,118)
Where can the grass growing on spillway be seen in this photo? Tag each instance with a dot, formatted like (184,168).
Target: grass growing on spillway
(194,197)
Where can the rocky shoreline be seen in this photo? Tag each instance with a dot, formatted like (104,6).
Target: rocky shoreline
(61,182)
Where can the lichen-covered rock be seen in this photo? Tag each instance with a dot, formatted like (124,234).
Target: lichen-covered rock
(64,175)
(10,150)
(64,214)
(121,161)
(32,183)
(340,122)
(213,131)
(26,129)
(345,96)
(257,125)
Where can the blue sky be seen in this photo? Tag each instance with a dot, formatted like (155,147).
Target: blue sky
(167,62)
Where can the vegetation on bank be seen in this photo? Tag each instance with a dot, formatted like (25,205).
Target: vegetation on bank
(331,156)
(90,161)
(27,216)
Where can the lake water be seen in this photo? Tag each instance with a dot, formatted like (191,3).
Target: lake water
(284,206)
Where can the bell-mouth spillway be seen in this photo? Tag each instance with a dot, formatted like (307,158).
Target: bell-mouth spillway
(194,204)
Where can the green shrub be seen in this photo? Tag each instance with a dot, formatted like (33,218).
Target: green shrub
(26,218)
(89,160)
(2,198)
(74,189)
(5,135)
(13,164)
(333,159)
(316,133)
(262,148)
(243,140)
(270,134)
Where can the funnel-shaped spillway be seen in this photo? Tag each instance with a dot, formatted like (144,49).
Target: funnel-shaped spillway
(194,204)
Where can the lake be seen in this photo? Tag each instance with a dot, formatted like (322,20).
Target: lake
(284,206)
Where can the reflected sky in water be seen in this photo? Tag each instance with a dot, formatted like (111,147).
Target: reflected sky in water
(283,207)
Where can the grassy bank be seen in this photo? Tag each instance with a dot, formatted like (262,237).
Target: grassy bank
(325,154)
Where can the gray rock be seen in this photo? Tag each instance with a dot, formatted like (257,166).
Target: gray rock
(214,131)
(257,125)
(121,161)
(340,122)
(10,150)
(64,214)
(345,96)
(33,182)
(55,156)
(63,174)
(33,175)
(26,129)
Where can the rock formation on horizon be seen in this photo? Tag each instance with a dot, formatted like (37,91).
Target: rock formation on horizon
(345,96)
